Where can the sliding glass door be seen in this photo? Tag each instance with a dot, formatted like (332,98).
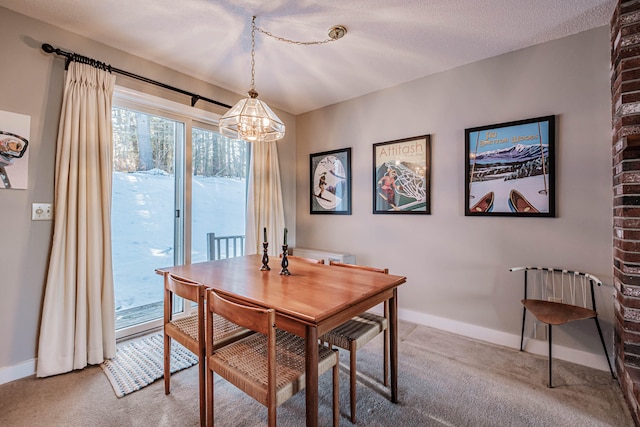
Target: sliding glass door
(145,215)
(218,193)
(176,180)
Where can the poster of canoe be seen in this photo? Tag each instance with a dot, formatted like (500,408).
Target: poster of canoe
(510,168)
(401,176)
(14,154)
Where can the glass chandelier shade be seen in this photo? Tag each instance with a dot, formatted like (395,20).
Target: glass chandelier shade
(251,120)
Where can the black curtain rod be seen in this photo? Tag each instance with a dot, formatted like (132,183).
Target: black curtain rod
(80,58)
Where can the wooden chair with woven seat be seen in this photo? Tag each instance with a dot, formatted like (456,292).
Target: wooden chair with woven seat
(269,366)
(556,297)
(311,260)
(357,332)
(190,330)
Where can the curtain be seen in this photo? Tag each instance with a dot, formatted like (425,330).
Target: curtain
(264,200)
(78,316)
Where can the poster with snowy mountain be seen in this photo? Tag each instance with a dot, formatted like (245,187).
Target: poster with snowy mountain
(510,168)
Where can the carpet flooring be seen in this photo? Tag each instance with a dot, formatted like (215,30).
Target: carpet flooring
(141,362)
(444,380)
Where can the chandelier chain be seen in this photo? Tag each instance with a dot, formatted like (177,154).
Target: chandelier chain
(253,52)
(282,39)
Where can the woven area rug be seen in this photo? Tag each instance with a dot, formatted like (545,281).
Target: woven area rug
(141,362)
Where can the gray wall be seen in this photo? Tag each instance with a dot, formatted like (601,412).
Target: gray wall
(457,266)
(31,83)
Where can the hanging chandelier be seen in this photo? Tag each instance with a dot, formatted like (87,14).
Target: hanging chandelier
(251,119)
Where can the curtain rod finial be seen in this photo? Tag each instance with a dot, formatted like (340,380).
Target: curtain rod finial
(48,48)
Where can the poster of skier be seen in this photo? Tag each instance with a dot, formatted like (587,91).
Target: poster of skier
(510,168)
(401,176)
(331,182)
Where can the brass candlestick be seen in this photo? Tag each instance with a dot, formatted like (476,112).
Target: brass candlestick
(265,257)
(285,262)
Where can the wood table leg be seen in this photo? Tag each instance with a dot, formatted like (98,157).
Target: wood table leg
(311,378)
(393,329)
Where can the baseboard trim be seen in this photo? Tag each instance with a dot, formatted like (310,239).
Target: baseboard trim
(596,361)
(15,372)
(591,360)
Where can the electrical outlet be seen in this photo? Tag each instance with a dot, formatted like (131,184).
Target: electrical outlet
(41,212)
(539,331)
(553,299)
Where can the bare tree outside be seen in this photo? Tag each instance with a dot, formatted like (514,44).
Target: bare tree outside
(144,209)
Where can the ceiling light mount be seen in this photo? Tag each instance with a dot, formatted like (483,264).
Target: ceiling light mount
(337,32)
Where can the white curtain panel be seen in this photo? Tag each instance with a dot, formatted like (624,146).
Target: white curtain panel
(264,200)
(78,318)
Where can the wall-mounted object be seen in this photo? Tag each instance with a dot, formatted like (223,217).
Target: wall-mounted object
(330,182)
(402,176)
(510,169)
(14,155)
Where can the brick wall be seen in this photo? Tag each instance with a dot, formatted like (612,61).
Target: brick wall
(625,102)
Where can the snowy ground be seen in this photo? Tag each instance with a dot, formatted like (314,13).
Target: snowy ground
(142,220)
(529,187)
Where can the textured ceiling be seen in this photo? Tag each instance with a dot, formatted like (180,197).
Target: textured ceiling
(388,42)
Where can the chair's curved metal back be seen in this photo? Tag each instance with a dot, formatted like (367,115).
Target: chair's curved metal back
(560,285)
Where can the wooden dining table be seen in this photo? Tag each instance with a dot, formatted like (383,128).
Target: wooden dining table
(309,302)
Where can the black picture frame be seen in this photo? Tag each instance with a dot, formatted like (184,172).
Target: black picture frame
(330,182)
(510,169)
(402,171)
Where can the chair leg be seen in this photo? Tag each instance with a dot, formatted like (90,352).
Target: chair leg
(385,370)
(352,380)
(550,385)
(209,397)
(336,392)
(524,313)
(167,364)
(201,379)
(604,347)
(272,415)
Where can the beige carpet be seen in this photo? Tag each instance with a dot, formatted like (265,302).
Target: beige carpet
(444,380)
(141,362)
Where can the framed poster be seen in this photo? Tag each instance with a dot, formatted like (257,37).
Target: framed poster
(331,182)
(510,169)
(14,156)
(401,176)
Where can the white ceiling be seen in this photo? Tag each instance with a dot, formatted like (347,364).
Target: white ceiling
(388,41)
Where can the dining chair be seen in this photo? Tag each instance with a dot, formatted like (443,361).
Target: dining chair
(269,366)
(190,330)
(357,332)
(311,260)
(556,297)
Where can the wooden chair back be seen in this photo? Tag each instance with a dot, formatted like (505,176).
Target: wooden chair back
(359,267)
(184,288)
(255,318)
(189,291)
(311,260)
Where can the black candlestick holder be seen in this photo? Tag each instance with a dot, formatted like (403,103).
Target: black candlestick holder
(265,257)
(285,261)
